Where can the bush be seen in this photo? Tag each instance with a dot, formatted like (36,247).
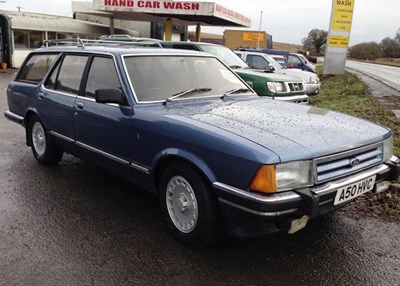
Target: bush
(365,51)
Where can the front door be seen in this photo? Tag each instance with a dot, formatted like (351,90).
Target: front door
(102,128)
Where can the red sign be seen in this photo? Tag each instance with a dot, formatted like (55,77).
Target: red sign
(231,14)
(167,5)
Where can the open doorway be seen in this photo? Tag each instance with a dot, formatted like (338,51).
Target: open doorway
(5,44)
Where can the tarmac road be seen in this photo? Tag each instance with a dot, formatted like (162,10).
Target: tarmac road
(75,224)
(385,74)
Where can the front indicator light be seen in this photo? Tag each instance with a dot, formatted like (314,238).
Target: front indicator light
(264,180)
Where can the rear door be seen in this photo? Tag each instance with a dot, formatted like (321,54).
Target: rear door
(56,97)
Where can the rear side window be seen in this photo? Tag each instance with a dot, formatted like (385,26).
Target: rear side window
(36,67)
(67,76)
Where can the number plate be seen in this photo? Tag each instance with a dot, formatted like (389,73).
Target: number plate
(352,191)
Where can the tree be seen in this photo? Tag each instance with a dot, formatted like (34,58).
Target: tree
(397,36)
(365,51)
(316,40)
(390,47)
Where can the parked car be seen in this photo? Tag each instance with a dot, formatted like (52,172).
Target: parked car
(183,126)
(265,62)
(294,61)
(281,60)
(281,87)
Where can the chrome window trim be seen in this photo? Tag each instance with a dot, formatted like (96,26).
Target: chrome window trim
(166,54)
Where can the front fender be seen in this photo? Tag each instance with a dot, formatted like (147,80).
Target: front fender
(185,155)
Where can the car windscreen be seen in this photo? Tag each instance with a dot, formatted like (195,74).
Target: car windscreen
(158,78)
(227,56)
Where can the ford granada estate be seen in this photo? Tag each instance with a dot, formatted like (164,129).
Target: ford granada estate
(185,127)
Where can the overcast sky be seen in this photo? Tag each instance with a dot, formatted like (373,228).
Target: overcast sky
(286,20)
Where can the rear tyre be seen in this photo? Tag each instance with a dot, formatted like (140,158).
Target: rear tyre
(43,149)
(189,206)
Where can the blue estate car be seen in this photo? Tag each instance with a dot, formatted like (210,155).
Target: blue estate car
(185,127)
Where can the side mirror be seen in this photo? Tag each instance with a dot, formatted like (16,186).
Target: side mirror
(271,67)
(250,83)
(109,96)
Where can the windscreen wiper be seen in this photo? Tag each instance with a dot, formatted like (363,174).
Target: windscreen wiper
(187,92)
(236,90)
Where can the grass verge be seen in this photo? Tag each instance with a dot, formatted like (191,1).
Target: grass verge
(346,93)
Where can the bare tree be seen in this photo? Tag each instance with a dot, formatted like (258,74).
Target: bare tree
(397,36)
(390,47)
(316,40)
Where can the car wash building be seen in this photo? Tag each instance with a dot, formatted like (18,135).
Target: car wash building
(20,32)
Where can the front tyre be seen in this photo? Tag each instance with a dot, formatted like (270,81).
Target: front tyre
(43,149)
(188,205)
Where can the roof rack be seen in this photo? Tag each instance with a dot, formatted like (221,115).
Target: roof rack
(82,43)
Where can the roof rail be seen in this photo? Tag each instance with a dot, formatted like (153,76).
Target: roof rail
(82,43)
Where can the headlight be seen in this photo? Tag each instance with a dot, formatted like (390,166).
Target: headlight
(283,177)
(388,149)
(314,80)
(275,87)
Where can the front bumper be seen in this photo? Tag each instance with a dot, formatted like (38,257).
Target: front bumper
(249,214)
(302,99)
(312,88)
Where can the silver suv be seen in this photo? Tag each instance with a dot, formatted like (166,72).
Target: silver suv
(266,62)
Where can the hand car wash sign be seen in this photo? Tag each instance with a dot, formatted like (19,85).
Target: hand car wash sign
(203,11)
(339,36)
(167,5)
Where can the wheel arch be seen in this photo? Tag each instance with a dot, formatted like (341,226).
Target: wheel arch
(170,157)
(28,116)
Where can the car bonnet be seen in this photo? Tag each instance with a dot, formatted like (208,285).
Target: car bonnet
(290,130)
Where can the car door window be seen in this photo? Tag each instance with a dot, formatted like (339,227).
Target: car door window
(67,76)
(102,75)
(293,60)
(257,62)
(36,68)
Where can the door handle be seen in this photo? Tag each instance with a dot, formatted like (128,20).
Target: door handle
(80,105)
(41,95)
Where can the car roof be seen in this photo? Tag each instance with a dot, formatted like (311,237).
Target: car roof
(120,50)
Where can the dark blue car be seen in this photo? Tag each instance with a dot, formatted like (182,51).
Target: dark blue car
(185,127)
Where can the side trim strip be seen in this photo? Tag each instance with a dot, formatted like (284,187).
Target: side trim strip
(102,153)
(107,155)
(140,168)
(65,138)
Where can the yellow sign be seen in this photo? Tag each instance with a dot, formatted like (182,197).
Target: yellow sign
(341,27)
(338,41)
(343,5)
(253,37)
(342,15)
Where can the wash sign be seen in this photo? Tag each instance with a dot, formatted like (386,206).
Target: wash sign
(338,36)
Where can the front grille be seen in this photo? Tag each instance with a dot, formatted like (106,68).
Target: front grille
(346,163)
(296,86)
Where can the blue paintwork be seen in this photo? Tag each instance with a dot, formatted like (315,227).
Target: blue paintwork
(226,138)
